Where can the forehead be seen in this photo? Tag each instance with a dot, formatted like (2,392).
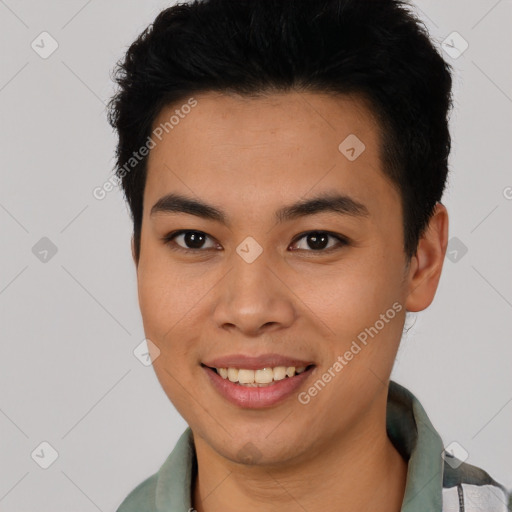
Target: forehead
(220,119)
(276,147)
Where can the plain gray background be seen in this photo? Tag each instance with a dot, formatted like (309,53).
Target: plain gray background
(70,320)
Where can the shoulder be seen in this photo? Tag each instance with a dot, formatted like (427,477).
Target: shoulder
(142,498)
(469,488)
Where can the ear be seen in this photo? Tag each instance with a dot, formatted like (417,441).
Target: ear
(426,265)
(133,252)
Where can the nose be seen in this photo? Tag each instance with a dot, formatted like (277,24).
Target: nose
(253,299)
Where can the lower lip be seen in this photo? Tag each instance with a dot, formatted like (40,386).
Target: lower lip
(256,397)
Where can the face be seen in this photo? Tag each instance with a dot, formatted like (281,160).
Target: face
(258,288)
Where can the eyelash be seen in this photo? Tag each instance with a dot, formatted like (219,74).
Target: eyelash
(169,241)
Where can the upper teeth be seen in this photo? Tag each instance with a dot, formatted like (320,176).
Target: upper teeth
(263,376)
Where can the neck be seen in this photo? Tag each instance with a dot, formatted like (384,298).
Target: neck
(359,470)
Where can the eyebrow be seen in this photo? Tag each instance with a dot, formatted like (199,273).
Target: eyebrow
(327,202)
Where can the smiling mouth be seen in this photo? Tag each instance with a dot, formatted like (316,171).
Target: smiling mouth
(259,378)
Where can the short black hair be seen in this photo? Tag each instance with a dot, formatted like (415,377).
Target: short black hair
(376,49)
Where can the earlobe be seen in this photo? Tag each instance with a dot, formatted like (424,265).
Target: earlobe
(427,264)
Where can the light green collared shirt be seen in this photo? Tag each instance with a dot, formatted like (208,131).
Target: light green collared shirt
(436,480)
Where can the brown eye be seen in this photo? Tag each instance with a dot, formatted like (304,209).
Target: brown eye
(190,241)
(318,241)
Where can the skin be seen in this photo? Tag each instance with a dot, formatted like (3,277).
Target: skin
(250,157)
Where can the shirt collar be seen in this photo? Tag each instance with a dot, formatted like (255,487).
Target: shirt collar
(408,427)
(414,436)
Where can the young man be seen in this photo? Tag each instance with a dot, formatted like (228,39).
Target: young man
(284,164)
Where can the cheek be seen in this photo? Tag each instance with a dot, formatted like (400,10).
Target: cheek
(354,295)
(165,310)
(169,300)
(155,300)
(166,293)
